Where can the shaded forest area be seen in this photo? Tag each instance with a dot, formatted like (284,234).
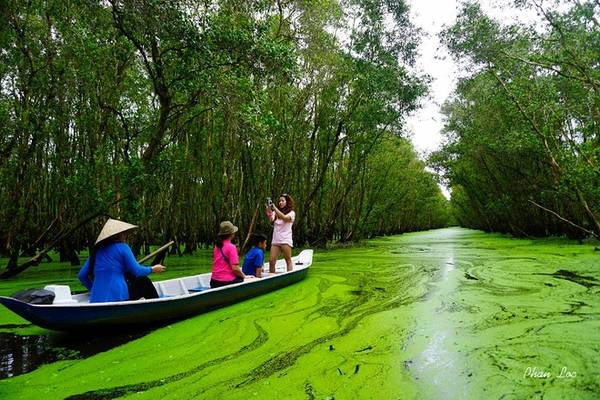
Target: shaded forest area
(522,152)
(175,115)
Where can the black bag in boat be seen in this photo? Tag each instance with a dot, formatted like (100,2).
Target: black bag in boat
(34,296)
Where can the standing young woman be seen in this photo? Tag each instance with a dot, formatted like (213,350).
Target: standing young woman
(226,266)
(282,218)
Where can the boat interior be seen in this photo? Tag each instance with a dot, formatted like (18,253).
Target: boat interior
(184,286)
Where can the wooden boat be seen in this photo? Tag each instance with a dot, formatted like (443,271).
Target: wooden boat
(179,298)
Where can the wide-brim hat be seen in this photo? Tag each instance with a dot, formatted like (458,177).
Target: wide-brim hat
(113,227)
(227,228)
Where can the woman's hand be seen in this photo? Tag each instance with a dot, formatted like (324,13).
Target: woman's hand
(158,268)
(281,215)
(238,271)
(270,213)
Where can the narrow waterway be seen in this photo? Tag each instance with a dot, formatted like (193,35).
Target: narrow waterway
(505,318)
(445,314)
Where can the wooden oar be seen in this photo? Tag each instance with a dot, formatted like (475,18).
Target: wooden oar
(156,252)
(251,229)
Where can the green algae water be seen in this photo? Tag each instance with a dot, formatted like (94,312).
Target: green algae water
(445,314)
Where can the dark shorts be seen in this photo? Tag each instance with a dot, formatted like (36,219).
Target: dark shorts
(141,286)
(216,284)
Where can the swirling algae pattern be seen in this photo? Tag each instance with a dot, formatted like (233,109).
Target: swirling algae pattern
(446,314)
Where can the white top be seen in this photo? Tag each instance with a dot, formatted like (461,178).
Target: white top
(282,230)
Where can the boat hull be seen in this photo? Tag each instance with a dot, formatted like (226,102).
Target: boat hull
(144,312)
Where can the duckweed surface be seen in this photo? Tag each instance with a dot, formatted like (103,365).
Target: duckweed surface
(445,314)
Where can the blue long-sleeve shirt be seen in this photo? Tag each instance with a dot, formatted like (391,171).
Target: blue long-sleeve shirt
(113,261)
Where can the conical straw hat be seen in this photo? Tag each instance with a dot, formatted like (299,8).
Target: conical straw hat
(113,227)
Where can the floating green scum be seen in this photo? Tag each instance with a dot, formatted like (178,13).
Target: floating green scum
(446,314)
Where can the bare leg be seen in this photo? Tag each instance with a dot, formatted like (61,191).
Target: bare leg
(274,254)
(287,254)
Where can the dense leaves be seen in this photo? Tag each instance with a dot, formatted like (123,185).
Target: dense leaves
(523,144)
(176,115)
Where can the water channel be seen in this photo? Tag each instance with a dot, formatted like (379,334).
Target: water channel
(445,314)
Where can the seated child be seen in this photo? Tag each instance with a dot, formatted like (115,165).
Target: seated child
(253,262)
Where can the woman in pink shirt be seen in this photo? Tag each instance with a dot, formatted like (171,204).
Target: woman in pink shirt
(226,266)
(282,218)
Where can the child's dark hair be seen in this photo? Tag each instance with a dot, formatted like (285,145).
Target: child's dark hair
(257,238)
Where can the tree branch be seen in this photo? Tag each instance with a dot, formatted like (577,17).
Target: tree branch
(564,219)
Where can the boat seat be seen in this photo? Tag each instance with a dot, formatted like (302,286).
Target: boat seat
(62,294)
(174,287)
(195,284)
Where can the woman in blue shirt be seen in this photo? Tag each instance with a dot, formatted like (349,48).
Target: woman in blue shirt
(104,272)
(253,262)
